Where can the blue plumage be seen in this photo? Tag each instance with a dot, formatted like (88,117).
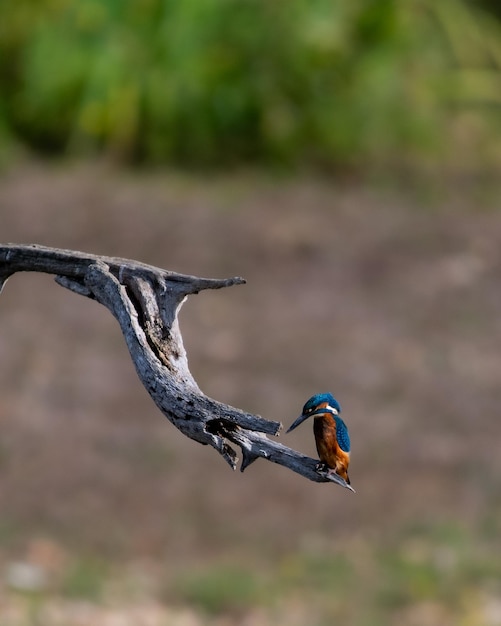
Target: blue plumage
(319,399)
(343,437)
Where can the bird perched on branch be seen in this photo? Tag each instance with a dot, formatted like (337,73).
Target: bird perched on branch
(331,433)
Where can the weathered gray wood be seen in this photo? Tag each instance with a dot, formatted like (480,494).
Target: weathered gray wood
(146,300)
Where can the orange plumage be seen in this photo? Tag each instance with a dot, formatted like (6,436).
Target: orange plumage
(329,451)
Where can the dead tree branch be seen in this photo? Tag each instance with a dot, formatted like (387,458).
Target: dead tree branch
(146,300)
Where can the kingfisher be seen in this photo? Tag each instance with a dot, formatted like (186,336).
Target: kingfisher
(331,433)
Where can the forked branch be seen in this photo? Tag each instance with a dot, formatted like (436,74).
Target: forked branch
(146,300)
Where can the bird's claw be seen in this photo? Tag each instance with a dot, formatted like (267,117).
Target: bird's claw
(322,467)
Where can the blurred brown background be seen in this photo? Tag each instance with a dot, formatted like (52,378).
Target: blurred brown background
(388,299)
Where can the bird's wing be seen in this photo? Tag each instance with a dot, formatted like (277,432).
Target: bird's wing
(343,437)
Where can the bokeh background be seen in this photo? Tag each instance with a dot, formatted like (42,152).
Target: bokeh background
(345,158)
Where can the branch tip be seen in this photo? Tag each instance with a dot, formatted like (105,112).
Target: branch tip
(331,476)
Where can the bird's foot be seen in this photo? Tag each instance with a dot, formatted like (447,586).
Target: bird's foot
(322,467)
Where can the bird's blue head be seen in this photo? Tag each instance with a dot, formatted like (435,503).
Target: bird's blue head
(315,403)
(320,399)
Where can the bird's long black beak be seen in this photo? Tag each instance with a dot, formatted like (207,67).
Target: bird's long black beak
(298,421)
(304,416)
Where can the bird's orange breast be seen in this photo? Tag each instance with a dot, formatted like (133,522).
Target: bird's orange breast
(324,429)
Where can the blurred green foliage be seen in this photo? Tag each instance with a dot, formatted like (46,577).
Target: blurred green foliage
(84,579)
(218,82)
(440,573)
(221,590)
